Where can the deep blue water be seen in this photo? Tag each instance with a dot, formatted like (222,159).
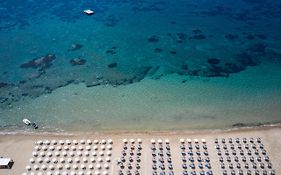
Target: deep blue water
(45,45)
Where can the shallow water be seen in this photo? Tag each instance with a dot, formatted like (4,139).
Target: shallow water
(140,65)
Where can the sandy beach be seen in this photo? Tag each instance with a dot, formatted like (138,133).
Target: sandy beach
(20,146)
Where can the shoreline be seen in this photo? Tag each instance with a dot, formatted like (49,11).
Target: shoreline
(170,132)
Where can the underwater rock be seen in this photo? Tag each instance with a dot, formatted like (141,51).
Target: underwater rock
(247,60)
(214,61)
(196,31)
(199,37)
(41,62)
(112,65)
(77,61)
(112,52)
(181,36)
(158,50)
(75,47)
(2,84)
(257,48)
(173,52)
(153,39)
(231,37)
(184,67)
(111,21)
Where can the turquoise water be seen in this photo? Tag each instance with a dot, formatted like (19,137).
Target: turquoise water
(140,64)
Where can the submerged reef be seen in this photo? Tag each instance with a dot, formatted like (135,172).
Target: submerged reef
(75,47)
(153,39)
(77,61)
(42,63)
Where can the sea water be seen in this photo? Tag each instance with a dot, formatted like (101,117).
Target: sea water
(139,64)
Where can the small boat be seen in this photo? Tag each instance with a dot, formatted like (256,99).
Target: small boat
(26,121)
(35,126)
(89,12)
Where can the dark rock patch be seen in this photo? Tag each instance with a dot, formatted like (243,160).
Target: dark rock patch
(153,39)
(173,52)
(41,62)
(112,65)
(77,61)
(158,50)
(214,61)
(258,48)
(199,37)
(247,60)
(111,51)
(111,21)
(181,36)
(197,31)
(173,22)
(184,67)
(231,37)
(2,84)
(250,37)
(261,36)
(75,47)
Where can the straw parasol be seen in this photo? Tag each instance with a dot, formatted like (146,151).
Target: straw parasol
(43,167)
(109,147)
(103,141)
(99,159)
(82,141)
(107,159)
(96,141)
(37,148)
(42,154)
(28,168)
(51,148)
(125,141)
(89,141)
(82,166)
(51,167)
(80,148)
(94,153)
(132,141)
(57,154)
(39,142)
(68,142)
(79,153)
(47,142)
(93,160)
(62,160)
(32,160)
(85,160)
(47,160)
(98,166)
(35,154)
(88,148)
(75,142)
(49,154)
(54,142)
(95,147)
(36,167)
(39,160)
(110,141)
(77,160)
(69,160)
(58,148)
(106,166)
(108,153)
(91,167)
(101,153)
(102,147)
(152,141)
(139,141)
(61,142)
(67,166)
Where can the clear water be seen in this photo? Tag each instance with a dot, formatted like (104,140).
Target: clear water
(139,64)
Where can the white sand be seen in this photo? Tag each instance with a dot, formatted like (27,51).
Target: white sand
(20,147)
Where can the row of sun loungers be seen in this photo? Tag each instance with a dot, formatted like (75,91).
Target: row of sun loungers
(231,156)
